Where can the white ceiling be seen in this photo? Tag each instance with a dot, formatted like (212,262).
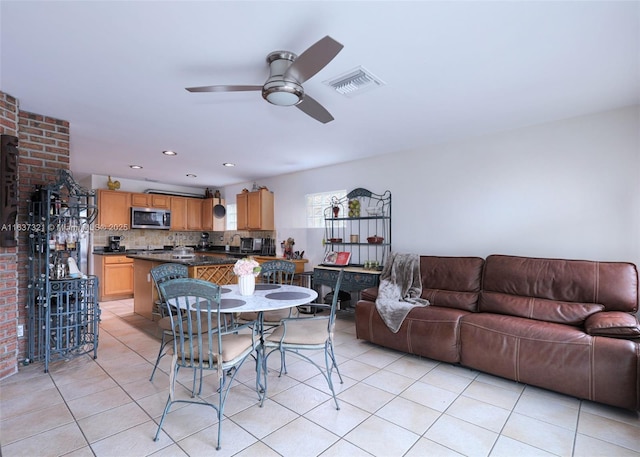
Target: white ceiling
(116,70)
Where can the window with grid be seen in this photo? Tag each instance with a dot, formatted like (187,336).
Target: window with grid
(318,203)
(232,216)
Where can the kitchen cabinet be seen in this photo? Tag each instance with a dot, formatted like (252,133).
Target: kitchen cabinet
(178,213)
(255,210)
(150,201)
(186,214)
(114,209)
(214,215)
(116,277)
(145,292)
(194,214)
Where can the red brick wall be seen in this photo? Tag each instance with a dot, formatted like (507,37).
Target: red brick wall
(8,264)
(43,148)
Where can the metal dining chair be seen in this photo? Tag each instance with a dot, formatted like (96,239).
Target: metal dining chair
(202,342)
(297,335)
(160,274)
(273,272)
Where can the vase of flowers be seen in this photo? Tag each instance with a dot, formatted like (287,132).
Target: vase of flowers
(246,270)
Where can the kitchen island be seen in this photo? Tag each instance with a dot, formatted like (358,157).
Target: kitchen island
(201,266)
(212,266)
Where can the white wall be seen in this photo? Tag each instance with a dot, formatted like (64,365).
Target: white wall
(133,185)
(567,189)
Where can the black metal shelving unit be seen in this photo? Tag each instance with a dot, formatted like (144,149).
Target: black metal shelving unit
(63,308)
(370,216)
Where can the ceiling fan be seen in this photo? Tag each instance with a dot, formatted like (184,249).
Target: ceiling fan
(287,73)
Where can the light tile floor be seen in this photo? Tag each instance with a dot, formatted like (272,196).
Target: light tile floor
(392,404)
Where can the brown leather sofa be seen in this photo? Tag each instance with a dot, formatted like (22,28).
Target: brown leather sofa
(564,325)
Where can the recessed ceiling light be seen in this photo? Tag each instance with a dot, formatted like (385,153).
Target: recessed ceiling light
(191,175)
(135,167)
(170,153)
(228,164)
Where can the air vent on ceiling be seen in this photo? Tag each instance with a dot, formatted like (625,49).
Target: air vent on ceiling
(355,82)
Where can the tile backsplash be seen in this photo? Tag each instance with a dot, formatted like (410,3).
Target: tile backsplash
(155,239)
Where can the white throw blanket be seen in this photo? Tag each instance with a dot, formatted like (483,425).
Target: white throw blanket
(400,289)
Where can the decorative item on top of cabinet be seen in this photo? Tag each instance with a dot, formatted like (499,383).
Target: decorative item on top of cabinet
(113,185)
(255,210)
(367,236)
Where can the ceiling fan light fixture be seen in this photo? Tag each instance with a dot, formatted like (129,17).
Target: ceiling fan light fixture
(287,73)
(282,93)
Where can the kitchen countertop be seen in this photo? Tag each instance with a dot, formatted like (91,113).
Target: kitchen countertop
(200,258)
(196,261)
(234,252)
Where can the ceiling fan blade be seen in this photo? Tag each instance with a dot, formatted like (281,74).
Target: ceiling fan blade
(314,59)
(314,109)
(223,88)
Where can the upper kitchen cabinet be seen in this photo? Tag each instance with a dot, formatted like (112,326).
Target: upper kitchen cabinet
(178,213)
(194,214)
(214,214)
(114,208)
(255,210)
(150,201)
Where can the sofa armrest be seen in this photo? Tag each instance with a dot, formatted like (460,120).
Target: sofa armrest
(614,324)
(369,294)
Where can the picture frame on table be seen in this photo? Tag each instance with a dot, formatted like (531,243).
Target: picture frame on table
(340,258)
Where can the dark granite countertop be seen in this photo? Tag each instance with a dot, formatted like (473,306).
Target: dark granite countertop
(202,257)
(196,261)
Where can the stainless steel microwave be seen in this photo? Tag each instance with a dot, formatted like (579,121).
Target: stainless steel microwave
(150,218)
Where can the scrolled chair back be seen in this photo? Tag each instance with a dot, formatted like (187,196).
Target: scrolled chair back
(166,272)
(194,308)
(278,272)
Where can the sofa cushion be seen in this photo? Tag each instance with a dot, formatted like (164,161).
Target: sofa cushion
(552,356)
(538,308)
(430,331)
(451,282)
(612,284)
(614,324)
